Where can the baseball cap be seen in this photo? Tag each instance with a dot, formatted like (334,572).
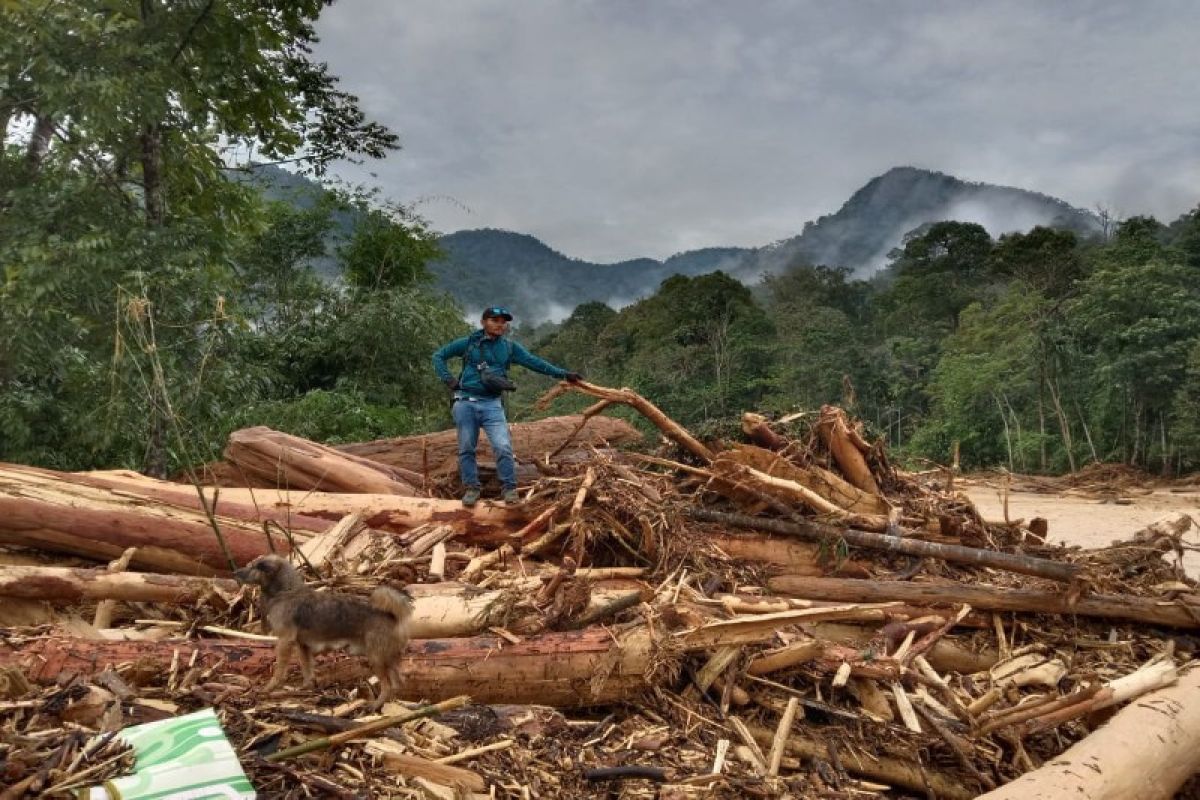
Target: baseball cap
(497,311)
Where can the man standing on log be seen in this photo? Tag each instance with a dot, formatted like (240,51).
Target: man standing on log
(486,355)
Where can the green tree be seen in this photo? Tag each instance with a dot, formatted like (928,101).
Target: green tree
(937,275)
(118,224)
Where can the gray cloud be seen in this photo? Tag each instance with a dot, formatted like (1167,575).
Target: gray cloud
(619,129)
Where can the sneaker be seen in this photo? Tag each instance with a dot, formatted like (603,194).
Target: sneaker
(470,497)
(511,497)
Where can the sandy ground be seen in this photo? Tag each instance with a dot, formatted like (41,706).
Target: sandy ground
(1091,521)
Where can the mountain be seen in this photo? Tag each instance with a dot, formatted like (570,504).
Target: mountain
(494,266)
(879,216)
(488,266)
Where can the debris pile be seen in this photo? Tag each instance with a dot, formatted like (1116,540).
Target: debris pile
(786,616)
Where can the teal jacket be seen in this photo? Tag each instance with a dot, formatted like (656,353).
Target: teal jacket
(497,354)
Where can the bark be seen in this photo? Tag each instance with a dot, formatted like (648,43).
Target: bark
(565,670)
(136,496)
(1147,750)
(436,453)
(944,656)
(281,459)
(73,585)
(445,610)
(827,485)
(65,512)
(799,558)
(839,439)
(756,428)
(1033,601)
(1027,565)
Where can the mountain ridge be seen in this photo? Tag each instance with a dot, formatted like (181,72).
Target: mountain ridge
(487,265)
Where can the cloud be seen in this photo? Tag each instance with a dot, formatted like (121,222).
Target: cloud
(620,129)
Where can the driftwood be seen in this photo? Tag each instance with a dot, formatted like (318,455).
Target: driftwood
(1033,601)
(671,429)
(73,513)
(565,670)
(436,453)
(756,428)
(72,585)
(825,484)
(99,515)
(280,459)
(1147,750)
(845,445)
(439,610)
(1028,565)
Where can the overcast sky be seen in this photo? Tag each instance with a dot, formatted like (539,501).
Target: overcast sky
(616,129)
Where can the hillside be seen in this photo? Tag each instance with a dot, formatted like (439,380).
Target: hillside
(486,266)
(877,218)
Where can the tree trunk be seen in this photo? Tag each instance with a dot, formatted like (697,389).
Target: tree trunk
(1027,565)
(281,459)
(577,668)
(1064,425)
(64,512)
(73,585)
(99,515)
(445,610)
(1033,601)
(828,485)
(1007,435)
(835,432)
(1148,750)
(436,453)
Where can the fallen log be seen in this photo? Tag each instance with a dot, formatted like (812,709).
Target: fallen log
(72,513)
(1147,750)
(439,610)
(1032,601)
(437,453)
(737,477)
(799,558)
(74,585)
(99,515)
(822,482)
(566,670)
(1009,562)
(488,522)
(758,431)
(280,459)
(593,666)
(842,443)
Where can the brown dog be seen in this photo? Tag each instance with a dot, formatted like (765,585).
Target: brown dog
(309,622)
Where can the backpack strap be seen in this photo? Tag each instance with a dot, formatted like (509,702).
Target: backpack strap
(476,340)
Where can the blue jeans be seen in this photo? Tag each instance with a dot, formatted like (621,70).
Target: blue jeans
(469,417)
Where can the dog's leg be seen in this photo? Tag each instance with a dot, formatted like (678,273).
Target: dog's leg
(306,664)
(283,658)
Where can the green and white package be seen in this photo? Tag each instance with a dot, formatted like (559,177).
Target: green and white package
(177,758)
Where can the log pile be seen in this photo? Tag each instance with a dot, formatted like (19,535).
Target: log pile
(790,615)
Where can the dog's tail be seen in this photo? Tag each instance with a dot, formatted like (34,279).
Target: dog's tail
(396,602)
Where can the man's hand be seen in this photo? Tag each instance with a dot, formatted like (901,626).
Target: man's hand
(451,383)
(573,377)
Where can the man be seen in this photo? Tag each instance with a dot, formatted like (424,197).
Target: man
(486,355)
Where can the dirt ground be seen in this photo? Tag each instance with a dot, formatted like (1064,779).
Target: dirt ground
(1091,518)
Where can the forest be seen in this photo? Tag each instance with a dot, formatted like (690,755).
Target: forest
(152,300)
